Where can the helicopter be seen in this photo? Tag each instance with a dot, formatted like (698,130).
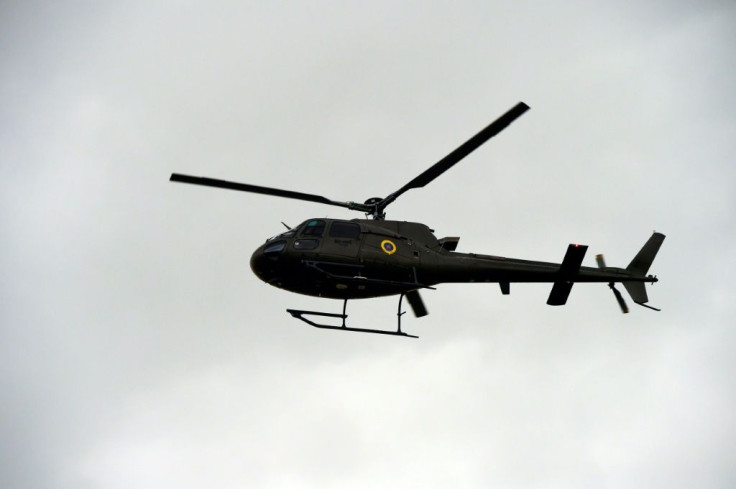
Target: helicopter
(375,257)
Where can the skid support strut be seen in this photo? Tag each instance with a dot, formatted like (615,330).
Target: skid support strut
(299,314)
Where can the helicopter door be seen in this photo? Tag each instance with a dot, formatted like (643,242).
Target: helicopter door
(343,239)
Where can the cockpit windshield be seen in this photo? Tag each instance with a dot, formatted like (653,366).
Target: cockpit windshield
(287,234)
(315,227)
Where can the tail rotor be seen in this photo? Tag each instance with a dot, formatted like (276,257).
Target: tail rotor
(619,298)
(601,261)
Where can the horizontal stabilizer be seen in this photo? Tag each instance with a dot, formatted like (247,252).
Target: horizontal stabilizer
(560,292)
(568,270)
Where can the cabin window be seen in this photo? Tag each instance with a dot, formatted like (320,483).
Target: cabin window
(306,244)
(341,229)
(315,227)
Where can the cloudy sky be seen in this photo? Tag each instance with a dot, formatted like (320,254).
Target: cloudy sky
(138,350)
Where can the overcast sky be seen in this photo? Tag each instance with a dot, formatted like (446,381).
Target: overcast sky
(138,349)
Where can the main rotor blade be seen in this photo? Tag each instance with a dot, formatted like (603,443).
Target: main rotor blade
(244,187)
(461,152)
(416,303)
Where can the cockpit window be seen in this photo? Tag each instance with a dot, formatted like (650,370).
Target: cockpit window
(341,229)
(315,227)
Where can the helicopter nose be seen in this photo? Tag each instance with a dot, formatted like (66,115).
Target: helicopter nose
(259,264)
(265,257)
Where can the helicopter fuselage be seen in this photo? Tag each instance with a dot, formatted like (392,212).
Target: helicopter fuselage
(364,258)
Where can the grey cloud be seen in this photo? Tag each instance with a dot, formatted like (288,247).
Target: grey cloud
(138,349)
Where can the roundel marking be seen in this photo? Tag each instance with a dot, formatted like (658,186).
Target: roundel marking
(388,247)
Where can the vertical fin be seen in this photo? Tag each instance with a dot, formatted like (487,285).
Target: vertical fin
(643,260)
(639,267)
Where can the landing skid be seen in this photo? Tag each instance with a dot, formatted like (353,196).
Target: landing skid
(299,314)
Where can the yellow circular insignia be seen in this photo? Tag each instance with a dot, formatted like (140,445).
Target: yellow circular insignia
(388,247)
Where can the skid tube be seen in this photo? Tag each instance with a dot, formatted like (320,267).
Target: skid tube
(299,314)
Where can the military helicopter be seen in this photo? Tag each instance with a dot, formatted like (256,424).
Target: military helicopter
(374,257)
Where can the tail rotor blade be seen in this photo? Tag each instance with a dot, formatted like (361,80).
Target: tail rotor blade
(619,299)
